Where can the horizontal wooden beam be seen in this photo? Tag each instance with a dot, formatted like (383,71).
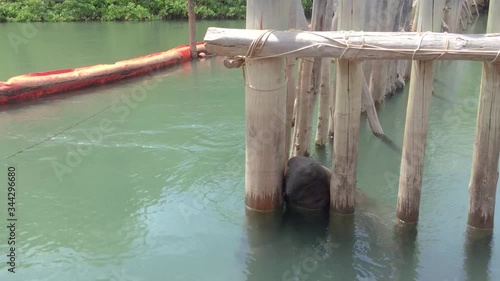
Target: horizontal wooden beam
(356,45)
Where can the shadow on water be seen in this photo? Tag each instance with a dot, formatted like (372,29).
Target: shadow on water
(322,153)
(342,235)
(299,245)
(300,236)
(406,253)
(477,249)
(390,143)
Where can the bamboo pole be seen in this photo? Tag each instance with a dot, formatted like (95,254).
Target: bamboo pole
(484,178)
(265,112)
(192,29)
(324,89)
(346,117)
(361,45)
(417,121)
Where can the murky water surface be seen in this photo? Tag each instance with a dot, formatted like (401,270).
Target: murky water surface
(144,179)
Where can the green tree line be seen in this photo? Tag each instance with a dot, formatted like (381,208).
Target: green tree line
(120,10)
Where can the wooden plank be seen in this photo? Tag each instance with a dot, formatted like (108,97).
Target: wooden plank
(484,177)
(362,45)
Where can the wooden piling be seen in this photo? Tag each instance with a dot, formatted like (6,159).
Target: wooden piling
(290,84)
(371,111)
(346,117)
(192,29)
(486,153)
(413,28)
(309,89)
(324,104)
(297,20)
(265,112)
(304,95)
(417,120)
(324,88)
(333,90)
(290,100)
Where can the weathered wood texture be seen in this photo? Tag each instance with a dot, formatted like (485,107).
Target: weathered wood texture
(346,117)
(324,87)
(265,112)
(371,111)
(333,90)
(192,29)
(323,104)
(484,177)
(296,21)
(359,45)
(305,93)
(300,24)
(417,121)
(290,100)
(308,91)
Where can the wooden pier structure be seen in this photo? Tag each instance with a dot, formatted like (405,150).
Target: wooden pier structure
(372,55)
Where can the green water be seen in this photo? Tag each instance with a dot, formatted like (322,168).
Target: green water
(143,180)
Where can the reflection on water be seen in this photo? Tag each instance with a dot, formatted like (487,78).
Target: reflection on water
(161,196)
(477,258)
(314,246)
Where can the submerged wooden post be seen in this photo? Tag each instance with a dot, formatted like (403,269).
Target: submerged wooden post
(417,121)
(346,117)
(192,29)
(265,110)
(484,177)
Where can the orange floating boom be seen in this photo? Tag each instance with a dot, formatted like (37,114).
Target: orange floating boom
(34,85)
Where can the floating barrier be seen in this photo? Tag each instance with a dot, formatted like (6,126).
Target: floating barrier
(34,85)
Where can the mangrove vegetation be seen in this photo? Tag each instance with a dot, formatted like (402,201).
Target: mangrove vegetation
(120,10)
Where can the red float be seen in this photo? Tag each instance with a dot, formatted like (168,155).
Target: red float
(34,85)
